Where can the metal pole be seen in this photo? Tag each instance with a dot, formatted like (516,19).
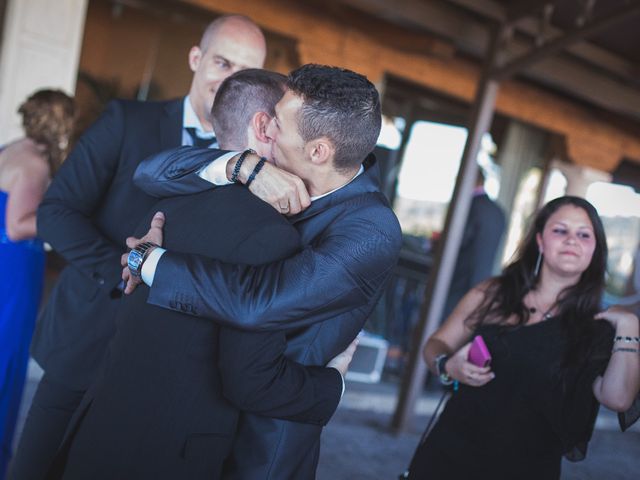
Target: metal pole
(440,278)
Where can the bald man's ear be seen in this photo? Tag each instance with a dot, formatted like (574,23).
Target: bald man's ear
(321,151)
(195,55)
(259,123)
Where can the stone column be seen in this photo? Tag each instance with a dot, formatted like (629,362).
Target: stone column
(41,42)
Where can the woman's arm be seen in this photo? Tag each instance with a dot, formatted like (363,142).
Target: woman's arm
(29,180)
(453,339)
(619,385)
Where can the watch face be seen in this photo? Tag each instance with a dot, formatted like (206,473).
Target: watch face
(133,262)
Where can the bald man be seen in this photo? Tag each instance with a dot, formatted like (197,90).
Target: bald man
(81,218)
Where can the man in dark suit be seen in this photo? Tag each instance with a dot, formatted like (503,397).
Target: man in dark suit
(86,215)
(480,242)
(157,411)
(325,125)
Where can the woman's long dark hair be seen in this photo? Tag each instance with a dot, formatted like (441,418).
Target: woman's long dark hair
(576,305)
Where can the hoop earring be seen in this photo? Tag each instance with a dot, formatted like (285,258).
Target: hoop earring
(536,270)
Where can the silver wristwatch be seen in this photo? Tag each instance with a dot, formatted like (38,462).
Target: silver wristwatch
(137,256)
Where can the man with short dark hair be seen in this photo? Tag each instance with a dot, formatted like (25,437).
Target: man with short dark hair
(322,295)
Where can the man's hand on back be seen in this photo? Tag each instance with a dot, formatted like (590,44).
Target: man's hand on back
(154,235)
(282,190)
(342,361)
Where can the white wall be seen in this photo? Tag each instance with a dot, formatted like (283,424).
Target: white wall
(40,49)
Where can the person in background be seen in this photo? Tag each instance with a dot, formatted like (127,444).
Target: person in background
(555,357)
(479,247)
(26,167)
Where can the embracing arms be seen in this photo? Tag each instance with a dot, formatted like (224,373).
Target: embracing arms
(258,378)
(188,170)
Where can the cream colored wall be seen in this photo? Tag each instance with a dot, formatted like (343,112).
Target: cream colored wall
(40,49)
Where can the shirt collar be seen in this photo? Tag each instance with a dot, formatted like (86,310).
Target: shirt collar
(360,170)
(191,120)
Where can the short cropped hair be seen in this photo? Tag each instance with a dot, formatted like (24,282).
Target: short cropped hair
(341,105)
(239,98)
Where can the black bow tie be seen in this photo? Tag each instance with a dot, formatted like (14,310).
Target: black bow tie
(199,141)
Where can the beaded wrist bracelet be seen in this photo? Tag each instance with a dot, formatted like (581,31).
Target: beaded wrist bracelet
(627,339)
(623,349)
(236,168)
(255,172)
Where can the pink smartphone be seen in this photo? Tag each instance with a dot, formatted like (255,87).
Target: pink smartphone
(479,353)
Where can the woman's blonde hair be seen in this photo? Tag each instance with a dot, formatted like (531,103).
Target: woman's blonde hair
(48,119)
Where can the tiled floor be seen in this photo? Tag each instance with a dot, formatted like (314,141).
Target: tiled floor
(357,443)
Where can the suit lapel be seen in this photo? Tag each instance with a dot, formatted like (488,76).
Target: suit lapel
(171,125)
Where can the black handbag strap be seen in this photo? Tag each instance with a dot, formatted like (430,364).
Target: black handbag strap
(427,430)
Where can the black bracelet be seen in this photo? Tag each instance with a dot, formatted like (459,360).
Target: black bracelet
(255,172)
(236,169)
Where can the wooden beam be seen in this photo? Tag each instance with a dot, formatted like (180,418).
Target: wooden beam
(449,245)
(602,23)
(585,51)
(388,33)
(525,8)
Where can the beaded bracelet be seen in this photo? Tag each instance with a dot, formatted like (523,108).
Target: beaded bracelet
(627,339)
(255,172)
(622,349)
(236,169)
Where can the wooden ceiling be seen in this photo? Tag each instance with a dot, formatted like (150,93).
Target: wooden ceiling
(585,49)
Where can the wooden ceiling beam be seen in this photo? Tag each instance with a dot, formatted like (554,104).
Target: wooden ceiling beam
(626,11)
(584,50)
(526,8)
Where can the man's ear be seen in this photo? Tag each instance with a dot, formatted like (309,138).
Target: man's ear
(195,55)
(321,151)
(259,123)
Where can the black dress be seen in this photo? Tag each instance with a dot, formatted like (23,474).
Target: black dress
(519,424)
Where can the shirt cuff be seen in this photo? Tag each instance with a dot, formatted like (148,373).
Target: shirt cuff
(216,171)
(149,266)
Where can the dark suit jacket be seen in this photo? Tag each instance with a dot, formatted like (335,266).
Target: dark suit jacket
(86,215)
(322,296)
(157,410)
(476,257)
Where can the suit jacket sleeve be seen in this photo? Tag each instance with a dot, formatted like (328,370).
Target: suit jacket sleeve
(341,272)
(258,378)
(64,216)
(256,374)
(175,172)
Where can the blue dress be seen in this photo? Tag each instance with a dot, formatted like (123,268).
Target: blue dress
(21,280)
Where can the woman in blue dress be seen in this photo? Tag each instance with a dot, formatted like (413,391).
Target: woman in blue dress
(26,167)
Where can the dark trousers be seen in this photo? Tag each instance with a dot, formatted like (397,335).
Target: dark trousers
(53,406)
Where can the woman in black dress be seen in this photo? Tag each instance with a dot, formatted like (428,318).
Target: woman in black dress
(554,358)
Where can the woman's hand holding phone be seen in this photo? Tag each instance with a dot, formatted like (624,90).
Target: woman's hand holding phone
(461,369)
